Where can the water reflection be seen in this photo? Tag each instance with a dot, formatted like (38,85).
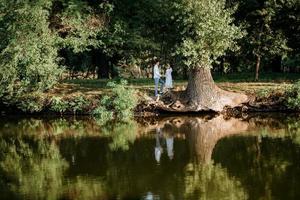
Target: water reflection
(33,168)
(202,179)
(200,157)
(202,134)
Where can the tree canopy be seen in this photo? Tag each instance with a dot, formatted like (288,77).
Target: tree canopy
(43,39)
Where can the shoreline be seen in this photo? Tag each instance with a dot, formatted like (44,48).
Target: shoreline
(145,110)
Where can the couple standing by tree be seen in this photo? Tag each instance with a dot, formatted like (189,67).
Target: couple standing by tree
(168,83)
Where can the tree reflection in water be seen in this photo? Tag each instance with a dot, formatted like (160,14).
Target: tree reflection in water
(122,134)
(31,165)
(32,168)
(201,158)
(251,165)
(203,179)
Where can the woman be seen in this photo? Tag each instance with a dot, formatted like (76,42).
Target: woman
(169,81)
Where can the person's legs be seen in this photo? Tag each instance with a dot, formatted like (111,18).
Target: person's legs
(162,84)
(156,81)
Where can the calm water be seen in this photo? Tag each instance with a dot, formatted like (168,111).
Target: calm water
(170,158)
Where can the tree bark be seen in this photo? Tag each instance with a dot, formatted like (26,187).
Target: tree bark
(257,67)
(203,95)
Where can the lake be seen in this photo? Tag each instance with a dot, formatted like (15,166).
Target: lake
(164,158)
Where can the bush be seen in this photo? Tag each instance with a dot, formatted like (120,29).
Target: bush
(293,96)
(29,58)
(79,103)
(37,102)
(119,104)
(58,105)
(34,102)
(103,115)
(263,93)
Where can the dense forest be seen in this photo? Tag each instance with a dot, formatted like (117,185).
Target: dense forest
(45,41)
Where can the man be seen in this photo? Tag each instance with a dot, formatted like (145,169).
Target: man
(158,150)
(157,79)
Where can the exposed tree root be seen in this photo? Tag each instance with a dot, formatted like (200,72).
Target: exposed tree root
(232,104)
(201,95)
(176,102)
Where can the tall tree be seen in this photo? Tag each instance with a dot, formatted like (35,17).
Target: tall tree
(207,31)
(263,39)
(27,49)
(268,37)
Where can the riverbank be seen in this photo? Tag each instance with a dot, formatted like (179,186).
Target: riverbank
(82,97)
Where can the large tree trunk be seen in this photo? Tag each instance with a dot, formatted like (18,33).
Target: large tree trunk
(203,95)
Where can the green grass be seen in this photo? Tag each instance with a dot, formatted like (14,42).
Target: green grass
(239,82)
(263,77)
(101,83)
(219,78)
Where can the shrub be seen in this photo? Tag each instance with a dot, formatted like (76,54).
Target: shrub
(29,61)
(58,104)
(103,115)
(293,96)
(33,102)
(263,93)
(123,99)
(119,104)
(79,103)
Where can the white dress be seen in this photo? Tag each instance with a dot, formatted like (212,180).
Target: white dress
(170,142)
(169,81)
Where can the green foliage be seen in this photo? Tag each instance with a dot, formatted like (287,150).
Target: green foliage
(33,102)
(81,25)
(37,102)
(123,99)
(78,103)
(32,33)
(122,134)
(293,96)
(102,114)
(28,50)
(291,62)
(32,168)
(180,32)
(120,103)
(58,104)
(199,179)
(262,38)
(268,36)
(207,31)
(263,93)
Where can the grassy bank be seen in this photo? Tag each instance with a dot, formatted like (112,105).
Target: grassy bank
(84,96)
(242,82)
